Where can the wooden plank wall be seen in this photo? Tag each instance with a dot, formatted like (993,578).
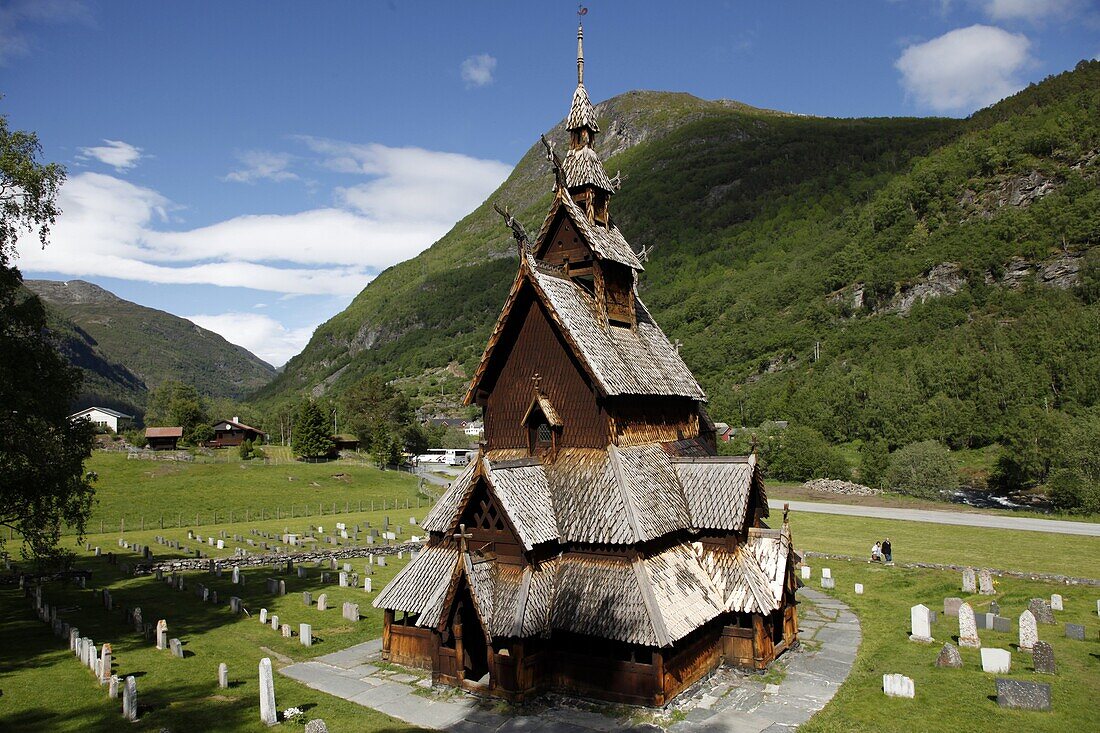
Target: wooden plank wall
(537,348)
(563,243)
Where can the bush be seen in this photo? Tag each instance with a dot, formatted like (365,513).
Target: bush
(1071,492)
(874,458)
(245,450)
(800,453)
(922,469)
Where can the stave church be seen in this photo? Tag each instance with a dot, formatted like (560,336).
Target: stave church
(597,545)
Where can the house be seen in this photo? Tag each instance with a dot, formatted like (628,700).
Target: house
(162,438)
(345,442)
(723,431)
(234,432)
(474,428)
(595,545)
(105,418)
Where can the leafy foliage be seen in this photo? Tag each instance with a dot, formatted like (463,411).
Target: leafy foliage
(311,434)
(175,404)
(922,469)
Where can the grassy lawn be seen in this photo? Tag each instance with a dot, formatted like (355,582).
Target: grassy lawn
(955,699)
(177,492)
(922,542)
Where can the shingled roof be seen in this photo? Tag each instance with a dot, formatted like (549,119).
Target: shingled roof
(582,167)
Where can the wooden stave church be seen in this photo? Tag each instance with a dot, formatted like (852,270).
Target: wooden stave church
(596,545)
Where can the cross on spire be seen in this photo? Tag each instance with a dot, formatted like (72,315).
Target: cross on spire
(462,536)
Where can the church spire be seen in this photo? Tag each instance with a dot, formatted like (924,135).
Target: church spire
(585,177)
(580,54)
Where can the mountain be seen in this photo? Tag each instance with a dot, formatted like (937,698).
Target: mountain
(898,278)
(125,349)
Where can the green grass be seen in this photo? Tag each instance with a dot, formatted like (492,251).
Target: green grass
(939,543)
(177,491)
(955,699)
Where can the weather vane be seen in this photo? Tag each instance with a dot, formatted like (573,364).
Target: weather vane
(581,11)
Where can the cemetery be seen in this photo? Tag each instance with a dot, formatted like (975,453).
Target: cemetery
(185,685)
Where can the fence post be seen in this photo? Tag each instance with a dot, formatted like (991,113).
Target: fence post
(142,522)
(122,525)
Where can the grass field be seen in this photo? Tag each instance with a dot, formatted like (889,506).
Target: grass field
(175,492)
(955,699)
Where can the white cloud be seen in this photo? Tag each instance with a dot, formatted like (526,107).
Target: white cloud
(15,16)
(1031,10)
(119,155)
(477,70)
(964,69)
(114,228)
(261,165)
(263,336)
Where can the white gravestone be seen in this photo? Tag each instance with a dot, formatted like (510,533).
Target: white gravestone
(826,572)
(1056,602)
(898,685)
(129,699)
(996,661)
(921,624)
(968,627)
(263,615)
(305,634)
(807,572)
(970,582)
(367,585)
(1029,631)
(859,589)
(268,714)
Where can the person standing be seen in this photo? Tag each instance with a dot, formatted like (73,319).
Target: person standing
(887,550)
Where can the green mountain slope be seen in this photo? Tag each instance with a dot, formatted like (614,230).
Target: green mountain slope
(938,269)
(125,349)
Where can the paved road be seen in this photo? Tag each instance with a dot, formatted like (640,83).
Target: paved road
(965,519)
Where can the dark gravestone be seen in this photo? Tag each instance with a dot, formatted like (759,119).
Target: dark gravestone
(984,620)
(1023,695)
(1043,658)
(995,608)
(1075,631)
(1041,611)
(951,606)
(949,657)
(1002,624)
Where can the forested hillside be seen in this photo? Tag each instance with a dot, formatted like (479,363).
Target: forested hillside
(902,279)
(125,349)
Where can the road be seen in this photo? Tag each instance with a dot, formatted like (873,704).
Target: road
(965,519)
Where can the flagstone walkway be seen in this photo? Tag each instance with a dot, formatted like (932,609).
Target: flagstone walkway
(728,701)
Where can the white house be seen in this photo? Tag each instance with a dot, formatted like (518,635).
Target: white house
(105,417)
(474,428)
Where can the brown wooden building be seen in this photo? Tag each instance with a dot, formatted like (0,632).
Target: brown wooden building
(597,545)
(163,438)
(233,432)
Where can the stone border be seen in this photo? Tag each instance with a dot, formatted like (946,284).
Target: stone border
(1042,577)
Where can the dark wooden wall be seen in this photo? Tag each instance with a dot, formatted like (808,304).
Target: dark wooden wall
(618,292)
(536,347)
(563,243)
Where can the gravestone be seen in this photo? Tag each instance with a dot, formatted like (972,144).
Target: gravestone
(985,583)
(305,634)
(322,602)
(984,621)
(898,685)
(949,657)
(352,613)
(280,588)
(176,647)
(343,580)
(996,661)
(223,676)
(236,575)
(970,584)
(1056,602)
(827,583)
(112,687)
(286,632)
(968,627)
(162,634)
(1023,695)
(382,561)
(920,624)
(951,606)
(1002,624)
(268,713)
(995,608)
(1042,658)
(274,623)
(1075,631)
(807,573)
(1029,631)
(235,604)
(105,664)
(307,598)
(263,615)
(367,585)
(1041,610)
(129,699)
(301,572)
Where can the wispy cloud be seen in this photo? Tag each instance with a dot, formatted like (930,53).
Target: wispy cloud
(262,335)
(964,69)
(114,228)
(1032,10)
(18,17)
(259,165)
(477,70)
(118,154)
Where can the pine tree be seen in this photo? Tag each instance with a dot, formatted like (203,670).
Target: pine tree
(311,436)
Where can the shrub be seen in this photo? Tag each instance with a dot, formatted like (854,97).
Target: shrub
(800,453)
(922,469)
(874,458)
(245,450)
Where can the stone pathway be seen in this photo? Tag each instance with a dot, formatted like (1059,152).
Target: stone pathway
(728,700)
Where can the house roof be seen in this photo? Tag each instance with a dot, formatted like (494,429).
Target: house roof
(606,242)
(582,167)
(618,496)
(104,410)
(163,432)
(240,426)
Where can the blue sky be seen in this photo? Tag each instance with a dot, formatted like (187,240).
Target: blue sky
(252,165)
